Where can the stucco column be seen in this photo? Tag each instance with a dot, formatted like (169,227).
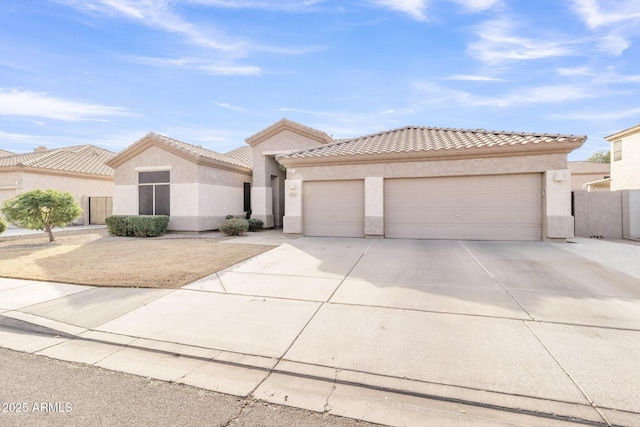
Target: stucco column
(374,207)
(292,221)
(557,222)
(262,205)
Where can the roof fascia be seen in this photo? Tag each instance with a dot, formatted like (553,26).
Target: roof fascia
(294,127)
(431,155)
(623,133)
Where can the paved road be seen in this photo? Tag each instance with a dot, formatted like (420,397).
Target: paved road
(58,393)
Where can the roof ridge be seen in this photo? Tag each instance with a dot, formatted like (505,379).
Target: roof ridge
(197,150)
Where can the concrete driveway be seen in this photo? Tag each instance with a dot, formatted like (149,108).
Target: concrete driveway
(399,332)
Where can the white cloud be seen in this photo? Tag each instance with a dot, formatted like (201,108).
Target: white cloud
(592,13)
(15,137)
(278,5)
(477,5)
(474,78)
(225,68)
(414,8)
(575,71)
(497,43)
(614,44)
(33,104)
(610,115)
(550,94)
(230,107)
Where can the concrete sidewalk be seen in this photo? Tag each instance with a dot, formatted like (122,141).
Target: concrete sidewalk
(398,332)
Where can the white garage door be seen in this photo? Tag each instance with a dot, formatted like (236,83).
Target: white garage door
(496,207)
(333,208)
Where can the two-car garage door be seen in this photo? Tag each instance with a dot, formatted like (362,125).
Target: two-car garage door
(494,207)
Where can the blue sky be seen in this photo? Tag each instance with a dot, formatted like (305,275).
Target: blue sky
(214,72)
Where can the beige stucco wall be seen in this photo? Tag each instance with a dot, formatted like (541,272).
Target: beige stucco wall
(557,220)
(82,188)
(265,167)
(625,173)
(200,195)
(598,214)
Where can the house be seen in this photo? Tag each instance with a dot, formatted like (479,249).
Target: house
(625,159)
(196,187)
(4,153)
(80,170)
(590,176)
(411,182)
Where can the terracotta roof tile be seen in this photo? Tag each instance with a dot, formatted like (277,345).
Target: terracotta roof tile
(577,168)
(198,151)
(87,159)
(421,139)
(244,154)
(4,153)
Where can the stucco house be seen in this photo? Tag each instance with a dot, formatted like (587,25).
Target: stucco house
(80,170)
(196,187)
(412,182)
(625,159)
(590,176)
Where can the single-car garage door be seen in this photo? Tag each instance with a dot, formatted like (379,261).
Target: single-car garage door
(494,207)
(333,208)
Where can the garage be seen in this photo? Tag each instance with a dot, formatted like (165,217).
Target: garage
(334,208)
(492,207)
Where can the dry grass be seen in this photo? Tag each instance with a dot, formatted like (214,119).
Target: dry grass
(94,258)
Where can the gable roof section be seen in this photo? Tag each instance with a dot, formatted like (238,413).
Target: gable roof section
(244,154)
(79,159)
(623,133)
(589,168)
(4,153)
(289,125)
(425,143)
(194,153)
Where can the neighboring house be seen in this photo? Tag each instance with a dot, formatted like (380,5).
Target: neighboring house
(4,153)
(590,176)
(80,170)
(625,159)
(413,182)
(196,187)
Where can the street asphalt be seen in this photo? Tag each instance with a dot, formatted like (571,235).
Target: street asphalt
(397,332)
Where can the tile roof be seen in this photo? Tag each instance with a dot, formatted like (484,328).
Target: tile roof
(4,153)
(86,159)
(244,154)
(424,139)
(586,168)
(198,151)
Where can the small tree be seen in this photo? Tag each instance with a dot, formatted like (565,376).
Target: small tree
(600,157)
(41,210)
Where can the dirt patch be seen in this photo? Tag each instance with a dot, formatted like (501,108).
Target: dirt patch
(95,258)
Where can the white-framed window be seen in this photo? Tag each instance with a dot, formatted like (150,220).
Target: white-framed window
(154,193)
(617,150)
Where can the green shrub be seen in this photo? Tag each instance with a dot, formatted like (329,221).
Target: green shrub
(255,224)
(137,225)
(229,217)
(234,226)
(3,225)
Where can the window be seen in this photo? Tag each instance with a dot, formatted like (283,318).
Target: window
(247,196)
(153,193)
(617,150)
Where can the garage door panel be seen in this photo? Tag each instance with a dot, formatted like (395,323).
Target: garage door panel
(334,208)
(504,207)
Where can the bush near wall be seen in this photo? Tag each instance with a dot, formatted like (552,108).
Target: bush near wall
(255,224)
(234,226)
(3,225)
(137,225)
